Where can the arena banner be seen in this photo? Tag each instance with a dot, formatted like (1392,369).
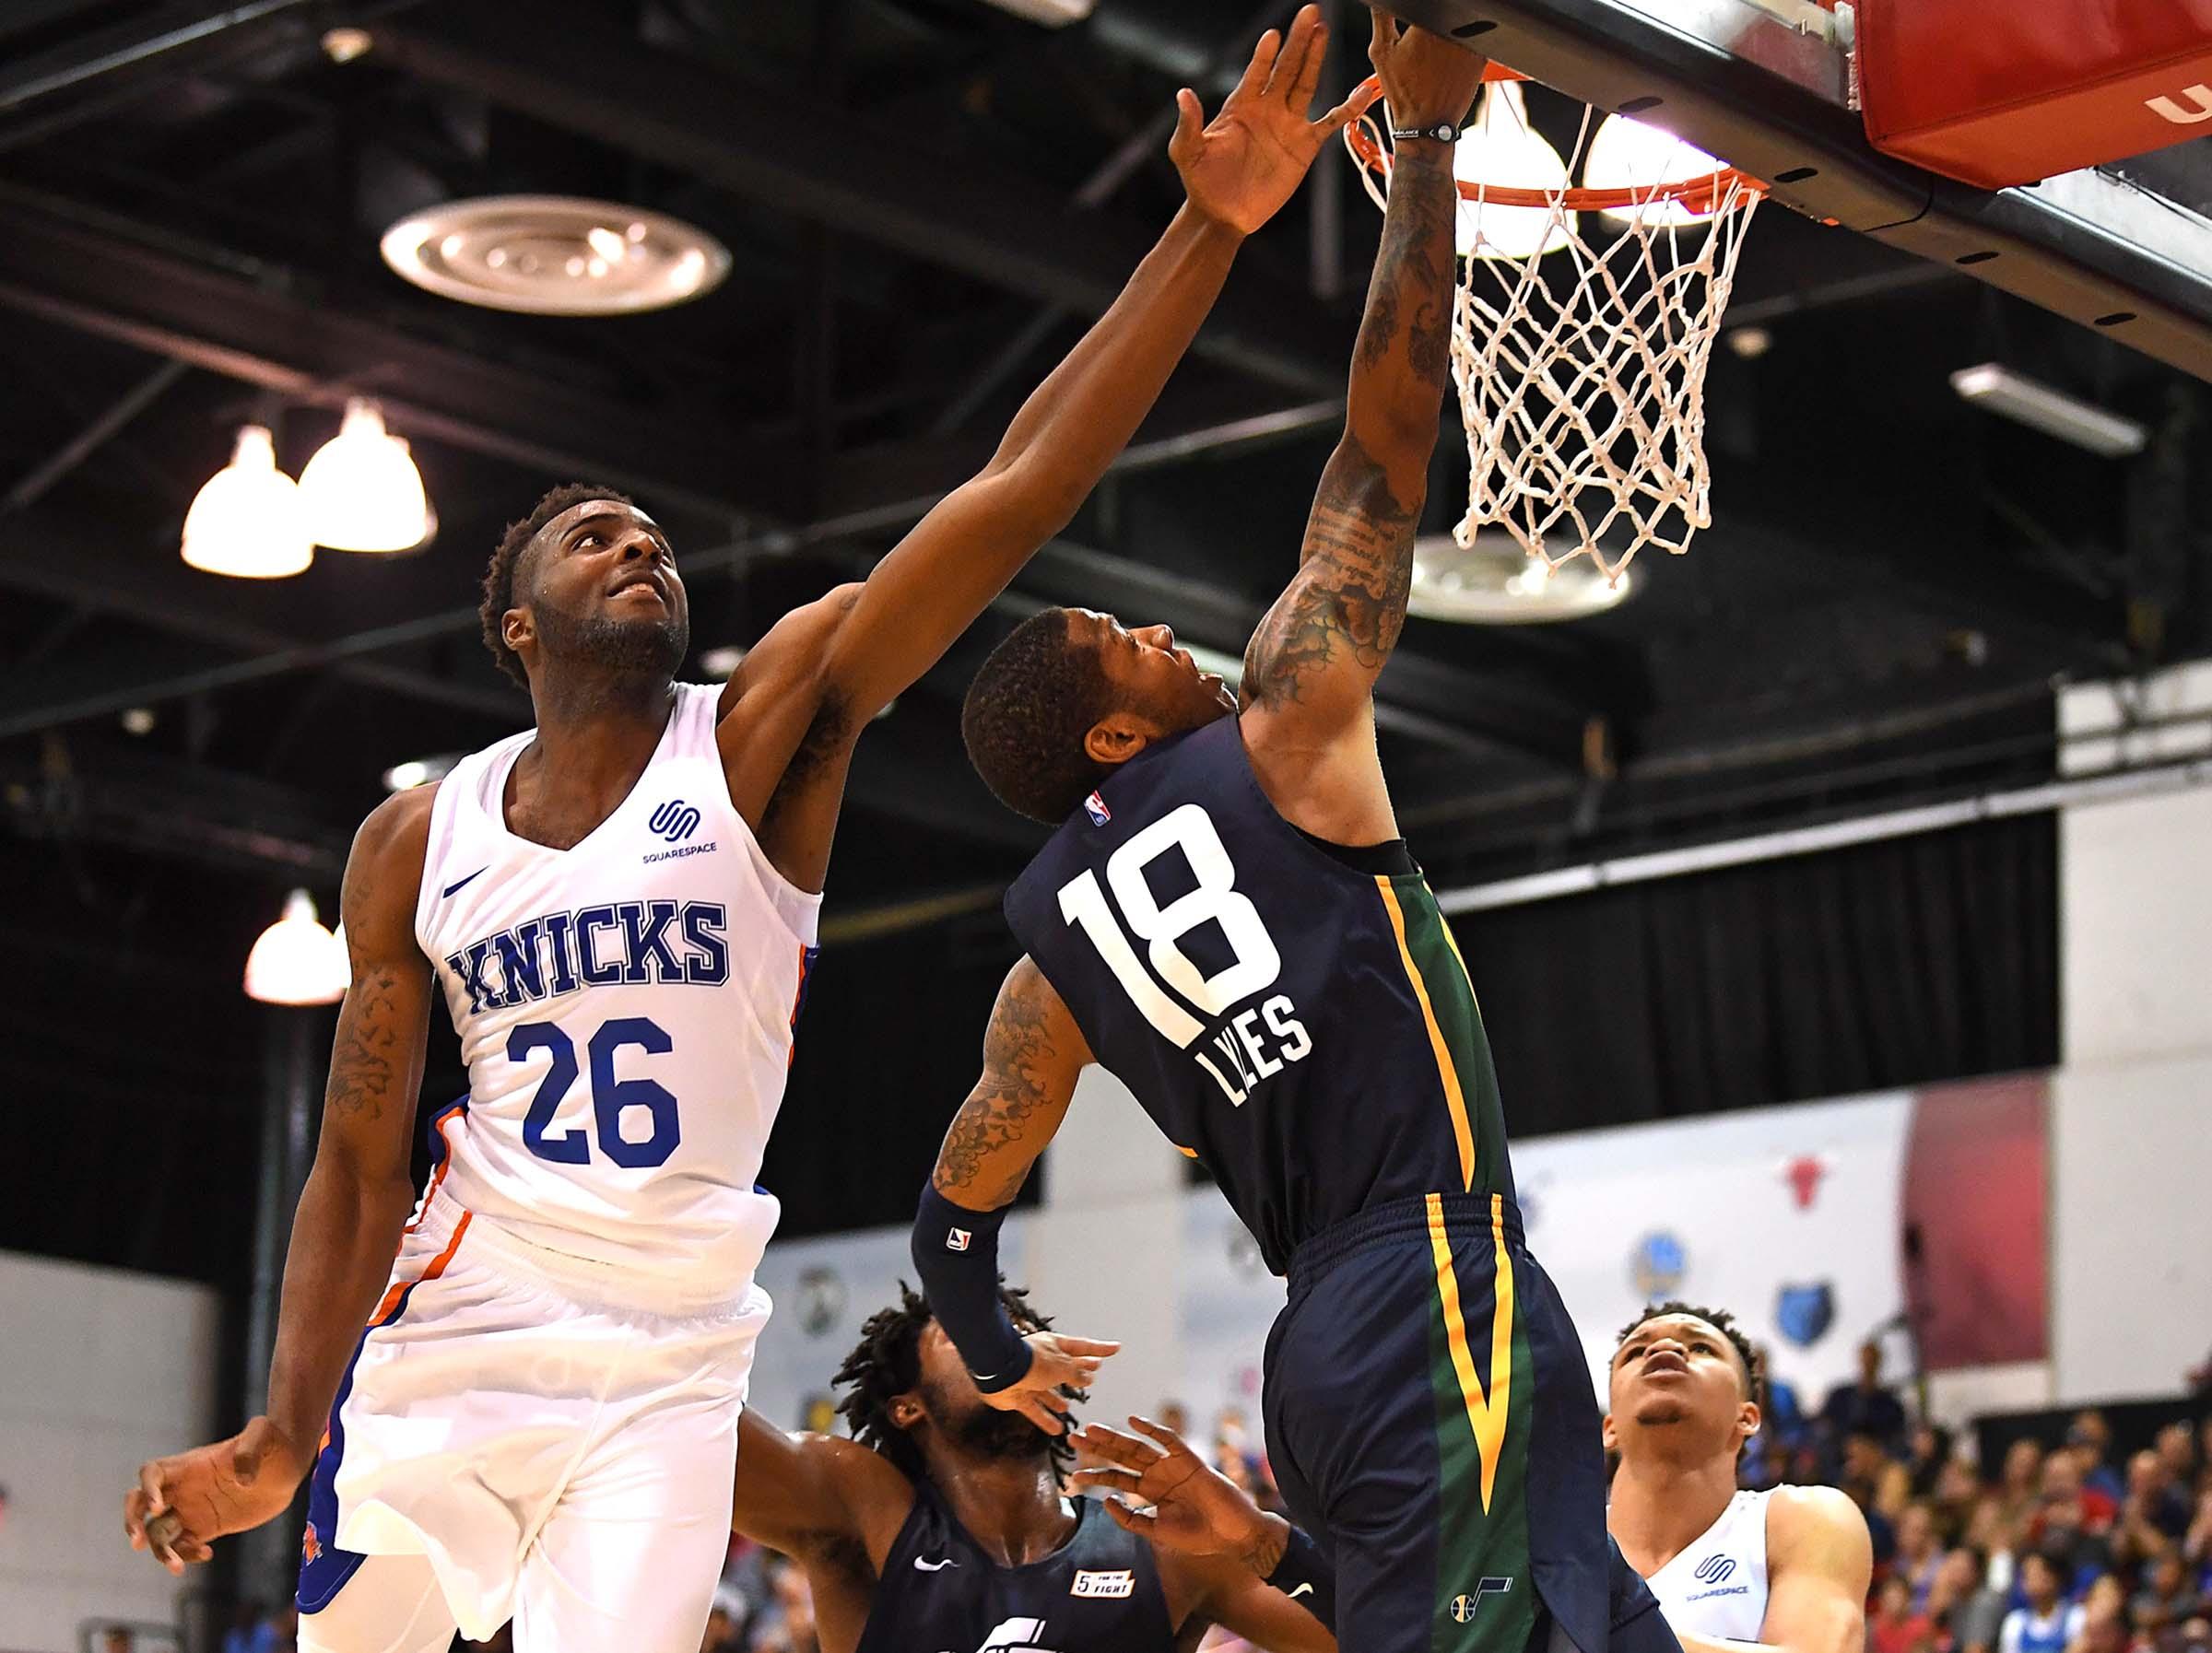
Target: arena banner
(1918,1219)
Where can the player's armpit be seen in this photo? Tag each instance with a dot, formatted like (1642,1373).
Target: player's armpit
(803,1494)
(1820,1563)
(1033,1053)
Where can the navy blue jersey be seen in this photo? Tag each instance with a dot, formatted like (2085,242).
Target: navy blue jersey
(1099,1592)
(1302,1028)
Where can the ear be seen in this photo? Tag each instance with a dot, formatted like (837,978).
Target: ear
(1747,1419)
(1610,1434)
(1117,737)
(519,631)
(906,1409)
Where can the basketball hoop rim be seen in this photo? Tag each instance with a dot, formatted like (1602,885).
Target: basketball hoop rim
(1704,193)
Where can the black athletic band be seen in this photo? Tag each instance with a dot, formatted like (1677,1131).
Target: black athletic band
(956,1252)
(1305,1575)
(1443,132)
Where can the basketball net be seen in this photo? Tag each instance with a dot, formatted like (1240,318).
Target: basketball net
(1582,330)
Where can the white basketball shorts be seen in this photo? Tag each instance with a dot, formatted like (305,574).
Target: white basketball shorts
(537,1448)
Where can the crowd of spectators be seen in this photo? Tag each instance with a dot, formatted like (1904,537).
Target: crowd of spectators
(2069,1548)
(2063,1549)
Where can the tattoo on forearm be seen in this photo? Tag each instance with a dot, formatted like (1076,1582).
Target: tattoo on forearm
(1409,319)
(998,1112)
(1348,604)
(361,1073)
(1264,1554)
(1349,601)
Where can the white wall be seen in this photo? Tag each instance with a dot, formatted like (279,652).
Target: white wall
(2131,1225)
(99,1371)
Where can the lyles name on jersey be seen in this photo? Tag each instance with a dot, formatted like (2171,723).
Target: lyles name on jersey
(611,944)
(1252,1047)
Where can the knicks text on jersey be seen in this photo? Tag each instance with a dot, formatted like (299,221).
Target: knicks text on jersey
(626,1008)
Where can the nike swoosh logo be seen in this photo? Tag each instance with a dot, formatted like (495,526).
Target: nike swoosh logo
(939,1566)
(1303,1589)
(449,888)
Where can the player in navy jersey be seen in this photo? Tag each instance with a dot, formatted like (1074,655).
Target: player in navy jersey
(942,1524)
(1229,920)
(618,906)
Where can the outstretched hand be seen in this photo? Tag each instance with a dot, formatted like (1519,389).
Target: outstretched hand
(1193,1506)
(182,1504)
(1056,1363)
(1239,168)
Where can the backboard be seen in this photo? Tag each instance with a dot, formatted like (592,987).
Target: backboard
(1766,85)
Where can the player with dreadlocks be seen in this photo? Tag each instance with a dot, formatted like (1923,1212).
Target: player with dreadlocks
(1787,1568)
(944,1522)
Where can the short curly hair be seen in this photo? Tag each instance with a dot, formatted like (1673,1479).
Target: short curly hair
(887,1363)
(1027,713)
(498,575)
(1721,1321)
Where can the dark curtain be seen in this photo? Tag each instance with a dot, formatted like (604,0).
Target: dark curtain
(891,1041)
(1887,964)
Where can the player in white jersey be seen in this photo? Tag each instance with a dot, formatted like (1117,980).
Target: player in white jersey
(619,908)
(1786,1569)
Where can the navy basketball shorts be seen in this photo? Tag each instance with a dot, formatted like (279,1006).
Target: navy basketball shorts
(1430,1422)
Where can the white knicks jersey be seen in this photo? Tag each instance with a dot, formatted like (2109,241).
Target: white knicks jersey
(626,1009)
(1718,1586)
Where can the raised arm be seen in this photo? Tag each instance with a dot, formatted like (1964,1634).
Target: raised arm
(1310,670)
(1237,171)
(1223,1558)
(806,1495)
(348,1225)
(1033,1053)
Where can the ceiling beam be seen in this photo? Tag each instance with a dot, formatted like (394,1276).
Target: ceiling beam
(790,152)
(270,332)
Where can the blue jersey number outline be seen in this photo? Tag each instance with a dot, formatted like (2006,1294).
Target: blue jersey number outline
(609,1096)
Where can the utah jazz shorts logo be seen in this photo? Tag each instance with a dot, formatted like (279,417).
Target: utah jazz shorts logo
(1463,1607)
(673,820)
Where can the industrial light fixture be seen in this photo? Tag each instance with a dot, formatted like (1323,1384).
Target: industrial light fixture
(361,491)
(2032,402)
(1625,154)
(1491,581)
(419,771)
(297,961)
(1500,148)
(555,255)
(1053,14)
(246,521)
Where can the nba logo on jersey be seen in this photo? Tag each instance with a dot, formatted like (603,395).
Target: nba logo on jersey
(1095,807)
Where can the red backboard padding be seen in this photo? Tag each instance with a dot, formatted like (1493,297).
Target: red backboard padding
(2006,93)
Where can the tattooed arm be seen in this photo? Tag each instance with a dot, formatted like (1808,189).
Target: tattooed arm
(350,1213)
(1033,1053)
(1307,695)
